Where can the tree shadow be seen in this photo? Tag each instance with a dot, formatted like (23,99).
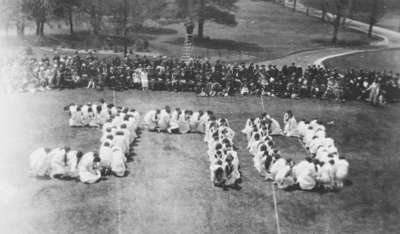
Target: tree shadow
(157,31)
(221,44)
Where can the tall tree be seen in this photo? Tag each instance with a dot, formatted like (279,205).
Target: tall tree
(37,11)
(218,11)
(66,9)
(11,13)
(340,9)
(96,10)
(128,15)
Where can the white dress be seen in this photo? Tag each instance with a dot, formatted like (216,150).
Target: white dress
(39,161)
(290,129)
(341,171)
(88,171)
(106,154)
(72,164)
(231,173)
(163,122)
(151,120)
(58,163)
(118,162)
(305,174)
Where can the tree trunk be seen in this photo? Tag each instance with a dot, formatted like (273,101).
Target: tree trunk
(20,28)
(125,29)
(37,28)
(372,18)
(323,10)
(41,32)
(70,21)
(371,26)
(294,5)
(336,25)
(94,21)
(200,29)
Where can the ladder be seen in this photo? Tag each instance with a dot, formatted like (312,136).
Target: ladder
(187,48)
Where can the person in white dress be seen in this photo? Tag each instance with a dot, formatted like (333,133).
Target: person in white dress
(232,174)
(73,159)
(76,118)
(121,141)
(89,168)
(165,116)
(118,162)
(305,174)
(106,154)
(217,174)
(151,120)
(341,171)
(58,163)
(326,174)
(274,127)
(290,122)
(39,161)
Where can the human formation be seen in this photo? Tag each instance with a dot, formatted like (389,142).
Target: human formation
(119,130)
(176,121)
(224,161)
(324,169)
(223,157)
(200,76)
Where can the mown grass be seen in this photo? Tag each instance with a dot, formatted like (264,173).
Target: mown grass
(385,60)
(168,188)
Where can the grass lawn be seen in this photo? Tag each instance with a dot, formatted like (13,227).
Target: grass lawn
(168,189)
(385,60)
(265,31)
(390,19)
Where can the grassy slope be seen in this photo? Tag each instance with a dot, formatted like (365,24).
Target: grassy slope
(268,31)
(265,31)
(381,60)
(390,20)
(168,189)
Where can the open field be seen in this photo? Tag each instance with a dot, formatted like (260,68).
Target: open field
(265,31)
(168,188)
(385,60)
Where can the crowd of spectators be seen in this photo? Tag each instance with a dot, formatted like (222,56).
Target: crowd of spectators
(199,75)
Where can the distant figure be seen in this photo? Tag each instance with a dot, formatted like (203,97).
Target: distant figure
(290,123)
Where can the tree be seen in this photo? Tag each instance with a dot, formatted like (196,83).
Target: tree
(37,11)
(96,10)
(65,9)
(11,13)
(324,9)
(128,15)
(340,9)
(218,11)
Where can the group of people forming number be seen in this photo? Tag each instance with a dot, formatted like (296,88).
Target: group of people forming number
(323,169)
(224,162)
(119,131)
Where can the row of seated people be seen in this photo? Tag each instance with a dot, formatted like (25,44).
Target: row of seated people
(327,171)
(333,167)
(223,157)
(118,134)
(95,115)
(177,121)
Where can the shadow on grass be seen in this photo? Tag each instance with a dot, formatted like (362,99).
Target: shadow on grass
(221,44)
(84,39)
(341,43)
(157,31)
